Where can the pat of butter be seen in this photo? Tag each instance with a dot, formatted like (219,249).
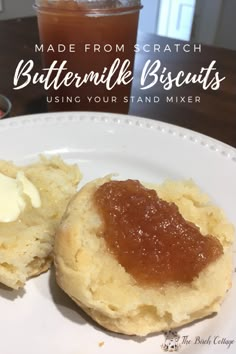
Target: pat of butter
(12,192)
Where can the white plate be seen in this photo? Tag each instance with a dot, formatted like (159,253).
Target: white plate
(41,319)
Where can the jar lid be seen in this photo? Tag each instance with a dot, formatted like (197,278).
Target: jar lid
(91,4)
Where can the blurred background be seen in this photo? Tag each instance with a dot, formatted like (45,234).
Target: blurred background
(209,22)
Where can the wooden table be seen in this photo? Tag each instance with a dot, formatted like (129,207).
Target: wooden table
(215,115)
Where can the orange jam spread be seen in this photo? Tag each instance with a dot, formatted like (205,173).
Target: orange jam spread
(149,237)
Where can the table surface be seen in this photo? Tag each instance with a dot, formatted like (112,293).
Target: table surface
(214,116)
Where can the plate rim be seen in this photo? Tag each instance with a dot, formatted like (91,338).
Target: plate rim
(201,139)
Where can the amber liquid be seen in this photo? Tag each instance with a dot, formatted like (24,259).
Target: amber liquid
(73,26)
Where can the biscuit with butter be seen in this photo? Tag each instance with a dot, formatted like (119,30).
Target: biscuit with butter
(32,202)
(89,272)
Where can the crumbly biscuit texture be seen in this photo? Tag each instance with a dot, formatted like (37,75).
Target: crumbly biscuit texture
(26,244)
(95,280)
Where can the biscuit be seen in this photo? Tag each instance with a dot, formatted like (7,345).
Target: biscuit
(94,279)
(26,244)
